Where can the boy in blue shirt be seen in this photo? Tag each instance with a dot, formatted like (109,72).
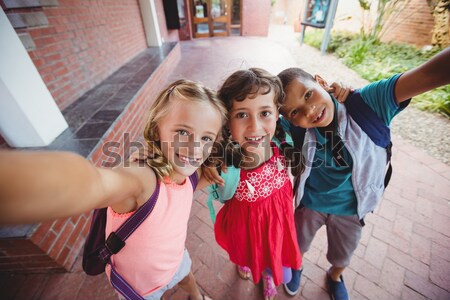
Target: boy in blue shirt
(344,173)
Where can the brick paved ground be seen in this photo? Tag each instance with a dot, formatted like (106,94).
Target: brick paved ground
(404,252)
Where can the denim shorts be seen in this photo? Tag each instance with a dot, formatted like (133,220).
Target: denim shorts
(183,271)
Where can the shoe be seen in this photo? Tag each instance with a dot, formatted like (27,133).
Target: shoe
(293,286)
(244,272)
(337,289)
(269,288)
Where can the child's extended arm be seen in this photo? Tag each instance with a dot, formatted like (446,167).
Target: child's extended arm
(39,186)
(429,75)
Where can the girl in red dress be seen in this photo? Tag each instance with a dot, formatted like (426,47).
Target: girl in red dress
(256,227)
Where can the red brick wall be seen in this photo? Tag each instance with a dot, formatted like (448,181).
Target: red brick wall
(84,43)
(54,246)
(413,25)
(24,255)
(255,17)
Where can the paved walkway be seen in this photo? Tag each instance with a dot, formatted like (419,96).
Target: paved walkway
(404,252)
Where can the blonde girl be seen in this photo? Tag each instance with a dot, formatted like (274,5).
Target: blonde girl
(61,184)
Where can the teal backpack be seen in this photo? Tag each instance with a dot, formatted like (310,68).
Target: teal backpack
(223,193)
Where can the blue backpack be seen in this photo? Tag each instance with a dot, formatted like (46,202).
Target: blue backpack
(98,249)
(361,113)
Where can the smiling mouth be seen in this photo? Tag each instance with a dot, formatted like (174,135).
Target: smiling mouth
(319,117)
(189,160)
(256,139)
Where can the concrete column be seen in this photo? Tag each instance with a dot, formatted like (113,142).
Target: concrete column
(150,20)
(29,116)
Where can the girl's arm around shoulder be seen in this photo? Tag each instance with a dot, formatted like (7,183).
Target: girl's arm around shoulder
(40,186)
(431,74)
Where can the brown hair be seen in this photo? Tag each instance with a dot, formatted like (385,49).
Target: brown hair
(288,75)
(250,83)
(180,90)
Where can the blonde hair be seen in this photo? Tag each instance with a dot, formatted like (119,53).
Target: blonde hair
(180,90)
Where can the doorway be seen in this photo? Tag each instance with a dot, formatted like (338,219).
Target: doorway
(211,18)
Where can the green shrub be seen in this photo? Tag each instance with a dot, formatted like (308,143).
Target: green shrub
(339,39)
(314,38)
(437,100)
(374,60)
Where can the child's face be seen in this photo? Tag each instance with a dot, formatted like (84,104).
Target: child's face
(307,104)
(252,123)
(187,134)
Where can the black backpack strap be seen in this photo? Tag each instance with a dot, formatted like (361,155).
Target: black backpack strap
(298,137)
(388,175)
(116,241)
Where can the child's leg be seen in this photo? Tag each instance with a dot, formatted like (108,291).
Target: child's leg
(244,272)
(335,273)
(190,286)
(188,282)
(287,274)
(269,288)
(344,234)
(307,222)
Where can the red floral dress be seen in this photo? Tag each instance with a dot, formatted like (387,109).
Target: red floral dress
(256,227)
